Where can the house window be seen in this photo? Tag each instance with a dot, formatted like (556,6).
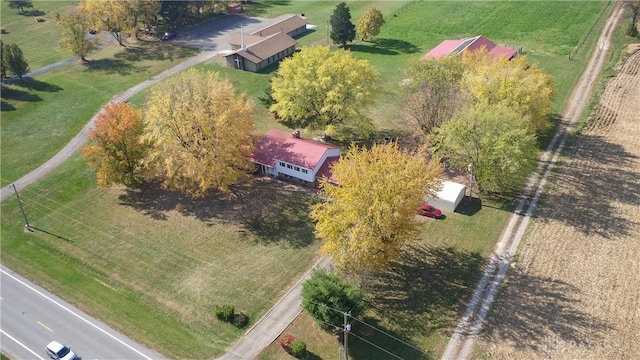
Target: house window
(305,171)
(296,168)
(289,166)
(281,163)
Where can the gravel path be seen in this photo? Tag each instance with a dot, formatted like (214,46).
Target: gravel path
(461,343)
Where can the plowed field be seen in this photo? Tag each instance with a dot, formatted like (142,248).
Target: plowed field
(575,291)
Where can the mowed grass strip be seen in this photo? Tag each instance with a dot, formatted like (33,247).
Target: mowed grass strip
(153,263)
(41,115)
(37,40)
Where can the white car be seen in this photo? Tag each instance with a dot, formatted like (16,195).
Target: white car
(57,351)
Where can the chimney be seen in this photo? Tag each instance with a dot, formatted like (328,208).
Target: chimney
(296,134)
(242,46)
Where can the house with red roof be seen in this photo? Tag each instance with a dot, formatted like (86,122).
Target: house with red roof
(448,47)
(287,155)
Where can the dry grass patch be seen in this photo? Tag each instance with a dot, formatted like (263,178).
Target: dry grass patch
(574,293)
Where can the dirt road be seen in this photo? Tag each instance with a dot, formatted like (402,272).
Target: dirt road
(462,341)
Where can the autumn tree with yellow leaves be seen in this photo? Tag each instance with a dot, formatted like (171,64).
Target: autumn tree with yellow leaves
(199,132)
(369,24)
(366,220)
(515,83)
(116,151)
(321,89)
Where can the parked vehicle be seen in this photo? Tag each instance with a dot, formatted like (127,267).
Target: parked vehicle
(57,351)
(169,35)
(429,211)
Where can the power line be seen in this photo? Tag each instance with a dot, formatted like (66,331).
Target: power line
(103,234)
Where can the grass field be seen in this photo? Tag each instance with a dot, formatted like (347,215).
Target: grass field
(157,262)
(38,40)
(41,115)
(153,263)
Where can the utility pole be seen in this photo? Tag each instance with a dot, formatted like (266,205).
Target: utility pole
(470,169)
(27,227)
(347,328)
(327,32)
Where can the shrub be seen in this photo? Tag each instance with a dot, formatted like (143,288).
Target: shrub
(39,19)
(324,293)
(298,348)
(286,341)
(224,312)
(240,320)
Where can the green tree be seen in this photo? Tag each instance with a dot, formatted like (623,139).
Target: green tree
(15,61)
(325,297)
(20,4)
(199,130)
(117,151)
(342,29)
(320,89)
(74,28)
(366,220)
(634,6)
(369,24)
(433,92)
(495,139)
(521,86)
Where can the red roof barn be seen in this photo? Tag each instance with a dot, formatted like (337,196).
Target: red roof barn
(472,44)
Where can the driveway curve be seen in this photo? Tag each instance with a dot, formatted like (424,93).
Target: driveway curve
(212,36)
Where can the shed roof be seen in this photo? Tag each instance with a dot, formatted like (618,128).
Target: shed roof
(287,25)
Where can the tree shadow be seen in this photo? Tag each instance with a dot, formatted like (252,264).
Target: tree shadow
(154,52)
(385,46)
(588,185)
(5,106)
(266,210)
(15,94)
(535,307)
(423,291)
(111,66)
(262,8)
(366,332)
(36,85)
(34,13)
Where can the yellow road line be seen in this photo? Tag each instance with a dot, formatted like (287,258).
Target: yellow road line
(44,326)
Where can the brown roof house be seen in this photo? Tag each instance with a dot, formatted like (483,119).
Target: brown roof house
(261,48)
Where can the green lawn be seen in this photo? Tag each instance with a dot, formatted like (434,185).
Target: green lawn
(152,263)
(38,40)
(41,115)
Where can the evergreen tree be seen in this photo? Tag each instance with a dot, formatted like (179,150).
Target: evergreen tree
(342,29)
(15,61)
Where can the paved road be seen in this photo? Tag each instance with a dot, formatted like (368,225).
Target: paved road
(212,37)
(32,317)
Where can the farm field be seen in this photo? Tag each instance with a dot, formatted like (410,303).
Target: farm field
(574,292)
(261,230)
